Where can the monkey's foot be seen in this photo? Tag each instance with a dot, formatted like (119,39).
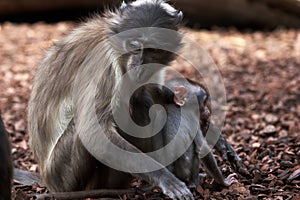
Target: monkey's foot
(176,189)
(202,177)
(180,94)
(230,179)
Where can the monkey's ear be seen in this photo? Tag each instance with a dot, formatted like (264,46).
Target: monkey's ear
(124,5)
(179,17)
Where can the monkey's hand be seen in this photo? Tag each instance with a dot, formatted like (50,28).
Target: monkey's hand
(230,179)
(180,94)
(175,189)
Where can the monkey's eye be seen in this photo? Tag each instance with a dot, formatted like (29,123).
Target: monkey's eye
(134,46)
(153,50)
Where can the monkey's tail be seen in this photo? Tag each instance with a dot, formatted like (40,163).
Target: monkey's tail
(27,177)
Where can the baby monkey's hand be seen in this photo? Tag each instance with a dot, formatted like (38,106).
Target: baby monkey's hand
(180,94)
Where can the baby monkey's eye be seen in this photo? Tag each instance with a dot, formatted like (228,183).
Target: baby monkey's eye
(134,46)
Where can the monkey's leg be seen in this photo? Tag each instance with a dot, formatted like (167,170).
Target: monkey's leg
(72,167)
(183,166)
(225,149)
(186,167)
(81,171)
(118,180)
(194,178)
(213,170)
(209,162)
(163,178)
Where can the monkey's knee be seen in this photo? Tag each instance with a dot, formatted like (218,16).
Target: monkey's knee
(182,168)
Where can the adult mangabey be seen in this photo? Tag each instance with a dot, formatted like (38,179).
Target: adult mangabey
(71,120)
(186,167)
(5,164)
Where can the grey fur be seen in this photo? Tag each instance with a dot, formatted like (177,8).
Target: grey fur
(64,139)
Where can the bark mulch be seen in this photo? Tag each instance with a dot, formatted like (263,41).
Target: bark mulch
(261,72)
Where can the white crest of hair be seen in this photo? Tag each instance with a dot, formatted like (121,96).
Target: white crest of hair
(167,7)
(123,5)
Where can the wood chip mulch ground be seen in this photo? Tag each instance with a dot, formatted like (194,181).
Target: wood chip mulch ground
(261,72)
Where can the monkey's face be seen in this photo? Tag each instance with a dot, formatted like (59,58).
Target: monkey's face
(147,33)
(141,62)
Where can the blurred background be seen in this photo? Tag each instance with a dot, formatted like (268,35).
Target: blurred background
(240,13)
(256,47)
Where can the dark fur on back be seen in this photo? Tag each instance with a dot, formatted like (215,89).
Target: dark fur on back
(5,164)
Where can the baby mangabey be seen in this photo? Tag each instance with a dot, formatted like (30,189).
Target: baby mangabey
(5,164)
(186,167)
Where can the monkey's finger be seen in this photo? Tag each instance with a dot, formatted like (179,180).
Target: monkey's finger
(177,190)
(232,175)
(185,195)
(184,192)
(231,179)
(179,102)
(170,195)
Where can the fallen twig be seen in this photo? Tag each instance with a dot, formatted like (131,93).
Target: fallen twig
(85,194)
